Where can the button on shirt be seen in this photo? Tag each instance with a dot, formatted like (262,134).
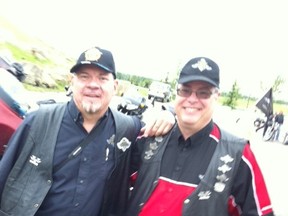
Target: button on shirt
(78,186)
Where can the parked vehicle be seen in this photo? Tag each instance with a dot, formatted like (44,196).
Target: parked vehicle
(12,111)
(9,121)
(15,106)
(132,103)
(13,92)
(160,91)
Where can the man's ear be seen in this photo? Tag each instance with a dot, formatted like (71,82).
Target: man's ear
(115,85)
(218,94)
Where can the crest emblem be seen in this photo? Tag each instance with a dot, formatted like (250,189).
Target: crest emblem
(222,178)
(111,140)
(200,176)
(153,146)
(148,154)
(224,168)
(93,54)
(124,144)
(34,160)
(202,65)
(226,159)
(159,139)
(203,195)
(219,186)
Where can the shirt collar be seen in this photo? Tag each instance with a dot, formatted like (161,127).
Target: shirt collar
(202,134)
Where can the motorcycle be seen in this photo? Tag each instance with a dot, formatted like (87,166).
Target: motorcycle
(259,122)
(133,104)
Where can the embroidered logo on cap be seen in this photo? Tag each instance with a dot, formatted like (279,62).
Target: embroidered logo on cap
(202,65)
(93,54)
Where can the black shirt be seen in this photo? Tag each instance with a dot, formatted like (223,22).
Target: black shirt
(77,187)
(179,159)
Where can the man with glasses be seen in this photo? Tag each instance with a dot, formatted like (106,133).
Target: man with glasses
(198,168)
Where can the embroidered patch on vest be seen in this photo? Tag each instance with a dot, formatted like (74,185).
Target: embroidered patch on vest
(111,140)
(124,144)
(204,195)
(153,146)
(34,160)
(222,178)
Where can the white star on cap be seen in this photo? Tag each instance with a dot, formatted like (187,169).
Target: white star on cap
(202,65)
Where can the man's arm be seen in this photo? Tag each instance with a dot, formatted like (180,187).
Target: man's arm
(249,189)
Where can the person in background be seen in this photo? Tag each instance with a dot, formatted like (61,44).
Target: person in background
(279,120)
(74,158)
(197,168)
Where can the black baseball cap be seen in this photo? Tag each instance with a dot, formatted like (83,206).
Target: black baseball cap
(200,69)
(96,56)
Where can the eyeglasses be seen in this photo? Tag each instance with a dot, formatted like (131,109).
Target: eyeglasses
(200,94)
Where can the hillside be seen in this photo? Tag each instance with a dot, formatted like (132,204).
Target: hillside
(24,47)
(45,65)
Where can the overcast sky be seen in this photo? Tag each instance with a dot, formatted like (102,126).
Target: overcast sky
(247,38)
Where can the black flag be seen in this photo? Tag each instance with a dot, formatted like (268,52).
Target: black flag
(265,104)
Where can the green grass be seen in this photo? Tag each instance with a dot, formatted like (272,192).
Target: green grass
(245,104)
(59,88)
(23,55)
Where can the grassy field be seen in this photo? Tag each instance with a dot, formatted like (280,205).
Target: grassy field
(245,104)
